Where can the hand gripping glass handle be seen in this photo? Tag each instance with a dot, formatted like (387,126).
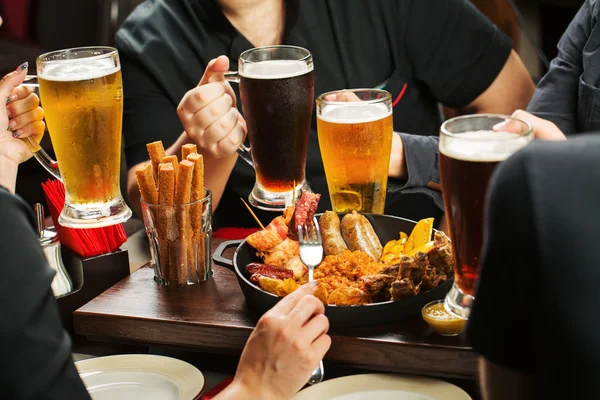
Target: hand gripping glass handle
(38,153)
(243,151)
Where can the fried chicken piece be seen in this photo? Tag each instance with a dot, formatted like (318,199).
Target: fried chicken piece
(432,277)
(404,288)
(377,285)
(442,259)
(296,266)
(281,254)
(348,296)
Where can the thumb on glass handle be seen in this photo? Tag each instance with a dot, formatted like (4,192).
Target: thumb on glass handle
(243,151)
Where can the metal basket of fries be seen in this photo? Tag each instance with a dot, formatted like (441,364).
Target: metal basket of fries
(177,212)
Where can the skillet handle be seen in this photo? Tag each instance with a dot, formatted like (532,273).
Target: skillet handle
(218,255)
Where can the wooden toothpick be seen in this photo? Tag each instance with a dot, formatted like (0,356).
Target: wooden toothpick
(252,212)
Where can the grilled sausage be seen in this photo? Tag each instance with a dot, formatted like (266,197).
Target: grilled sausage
(329,225)
(359,235)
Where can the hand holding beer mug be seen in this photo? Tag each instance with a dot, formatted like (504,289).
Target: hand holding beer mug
(82,95)
(355,136)
(277,91)
(470,149)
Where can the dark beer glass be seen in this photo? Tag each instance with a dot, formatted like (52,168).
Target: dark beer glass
(470,149)
(277,93)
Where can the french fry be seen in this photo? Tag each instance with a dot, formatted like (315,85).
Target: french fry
(196,210)
(173,160)
(186,266)
(198,177)
(146,184)
(166,198)
(188,149)
(156,151)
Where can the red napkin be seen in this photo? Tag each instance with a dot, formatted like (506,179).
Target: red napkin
(217,389)
(233,233)
(85,242)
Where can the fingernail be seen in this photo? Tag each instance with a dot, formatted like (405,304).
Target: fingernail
(314,283)
(15,135)
(23,66)
(11,98)
(500,126)
(12,123)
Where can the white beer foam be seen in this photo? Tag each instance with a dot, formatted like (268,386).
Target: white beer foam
(354,113)
(79,70)
(482,146)
(276,69)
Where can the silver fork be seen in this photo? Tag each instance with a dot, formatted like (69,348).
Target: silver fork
(311,255)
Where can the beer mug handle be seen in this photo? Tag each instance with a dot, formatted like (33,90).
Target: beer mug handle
(243,151)
(38,153)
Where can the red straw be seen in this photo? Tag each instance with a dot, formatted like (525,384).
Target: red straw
(85,242)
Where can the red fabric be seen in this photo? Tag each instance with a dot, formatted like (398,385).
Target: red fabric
(233,233)
(85,242)
(217,389)
(15,15)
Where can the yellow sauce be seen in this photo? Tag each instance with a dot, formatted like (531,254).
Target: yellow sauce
(441,320)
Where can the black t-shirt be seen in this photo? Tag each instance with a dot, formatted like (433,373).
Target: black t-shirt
(36,350)
(569,94)
(537,301)
(445,51)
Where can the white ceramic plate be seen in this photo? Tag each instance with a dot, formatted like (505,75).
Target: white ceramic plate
(140,376)
(382,387)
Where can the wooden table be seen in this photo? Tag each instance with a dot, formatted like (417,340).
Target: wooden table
(213,317)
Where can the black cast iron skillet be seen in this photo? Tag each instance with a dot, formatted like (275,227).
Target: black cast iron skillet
(387,228)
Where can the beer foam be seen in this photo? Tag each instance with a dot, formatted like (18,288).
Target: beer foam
(354,113)
(482,146)
(78,70)
(276,69)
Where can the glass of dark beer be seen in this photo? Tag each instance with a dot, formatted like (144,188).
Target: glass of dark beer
(470,149)
(277,94)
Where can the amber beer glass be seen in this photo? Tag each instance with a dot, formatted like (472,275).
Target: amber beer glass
(82,95)
(470,149)
(355,137)
(277,92)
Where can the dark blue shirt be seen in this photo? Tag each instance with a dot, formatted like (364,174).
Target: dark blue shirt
(569,94)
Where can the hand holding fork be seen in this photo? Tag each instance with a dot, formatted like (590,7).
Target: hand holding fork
(311,255)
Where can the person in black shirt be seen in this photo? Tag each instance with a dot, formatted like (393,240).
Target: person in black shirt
(453,56)
(534,320)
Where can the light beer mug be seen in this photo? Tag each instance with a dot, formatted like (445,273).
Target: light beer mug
(82,95)
(355,130)
(277,92)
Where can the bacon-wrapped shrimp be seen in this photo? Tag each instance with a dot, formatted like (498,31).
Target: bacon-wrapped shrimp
(274,234)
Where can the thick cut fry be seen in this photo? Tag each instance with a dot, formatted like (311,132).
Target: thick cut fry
(156,151)
(146,184)
(198,177)
(166,198)
(184,183)
(186,265)
(197,193)
(420,235)
(188,149)
(173,160)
